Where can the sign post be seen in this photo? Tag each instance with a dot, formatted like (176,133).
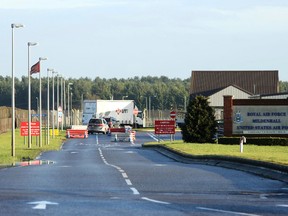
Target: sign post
(164,127)
(35,128)
(173,114)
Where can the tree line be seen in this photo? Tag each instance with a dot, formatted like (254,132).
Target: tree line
(161,92)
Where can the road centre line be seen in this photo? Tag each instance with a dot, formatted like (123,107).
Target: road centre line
(128,182)
(124,174)
(135,191)
(224,211)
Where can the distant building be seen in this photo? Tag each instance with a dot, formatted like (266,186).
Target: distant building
(255,82)
(240,84)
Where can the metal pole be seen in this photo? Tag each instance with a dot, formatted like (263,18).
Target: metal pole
(48,106)
(40,111)
(61,103)
(13,98)
(68,105)
(40,104)
(71,122)
(53,105)
(29,94)
(64,108)
(13,92)
(57,106)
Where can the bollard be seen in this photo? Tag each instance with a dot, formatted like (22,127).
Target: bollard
(242,141)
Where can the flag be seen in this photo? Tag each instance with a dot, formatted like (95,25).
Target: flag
(35,68)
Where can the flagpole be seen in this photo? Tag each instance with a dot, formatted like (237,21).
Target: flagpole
(40,105)
(29,94)
(48,105)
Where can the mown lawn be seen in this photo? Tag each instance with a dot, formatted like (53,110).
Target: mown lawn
(21,147)
(274,154)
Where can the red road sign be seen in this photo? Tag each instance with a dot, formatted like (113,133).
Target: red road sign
(164,127)
(173,114)
(135,111)
(35,128)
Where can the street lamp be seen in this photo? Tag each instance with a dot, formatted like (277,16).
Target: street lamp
(13,91)
(71,121)
(68,108)
(123,97)
(40,103)
(48,105)
(53,102)
(61,101)
(29,94)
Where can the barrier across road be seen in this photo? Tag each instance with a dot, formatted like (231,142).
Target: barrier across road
(124,134)
(77,131)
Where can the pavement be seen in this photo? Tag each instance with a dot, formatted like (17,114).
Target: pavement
(264,169)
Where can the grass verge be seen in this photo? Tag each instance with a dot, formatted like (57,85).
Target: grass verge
(273,154)
(21,147)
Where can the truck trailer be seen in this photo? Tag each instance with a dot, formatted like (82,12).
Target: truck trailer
(125,111)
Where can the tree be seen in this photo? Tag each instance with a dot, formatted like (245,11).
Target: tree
(200,124)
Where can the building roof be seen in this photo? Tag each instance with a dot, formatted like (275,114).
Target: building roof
(213,91)
(253,81)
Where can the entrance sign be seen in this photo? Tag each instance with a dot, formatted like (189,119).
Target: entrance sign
(164,127)
(260,120)
(35,128)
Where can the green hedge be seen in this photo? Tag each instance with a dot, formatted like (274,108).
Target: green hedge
(261,141)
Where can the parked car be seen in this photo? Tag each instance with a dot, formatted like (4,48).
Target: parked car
(97,125)
(112,122)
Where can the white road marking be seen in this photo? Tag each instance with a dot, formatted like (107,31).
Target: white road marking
(124,175)
(41,204)
(97,141)
(155,201)
(152,136)
(135,191)
(160,165)
(130,152)
(282,205)
(128,182)
(263,196)
(224,211)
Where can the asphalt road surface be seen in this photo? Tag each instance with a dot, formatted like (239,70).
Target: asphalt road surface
(95,176)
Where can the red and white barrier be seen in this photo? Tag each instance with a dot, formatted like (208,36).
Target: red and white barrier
(124,134)
(77,131)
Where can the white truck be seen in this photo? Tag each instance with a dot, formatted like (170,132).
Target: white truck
(125,111)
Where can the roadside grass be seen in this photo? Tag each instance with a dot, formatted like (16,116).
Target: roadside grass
(273,154)
(21,147)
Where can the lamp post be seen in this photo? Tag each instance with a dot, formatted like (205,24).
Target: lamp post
(40,104)
(64,99)
(123,97)
(53,72)
(71,122)
(13,91)
(48,105)
(68,102)
(29,94)
(57,102)
(61,101)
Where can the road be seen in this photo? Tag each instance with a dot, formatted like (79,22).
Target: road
(95,176)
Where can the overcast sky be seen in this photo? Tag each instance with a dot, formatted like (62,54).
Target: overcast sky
(127,38)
